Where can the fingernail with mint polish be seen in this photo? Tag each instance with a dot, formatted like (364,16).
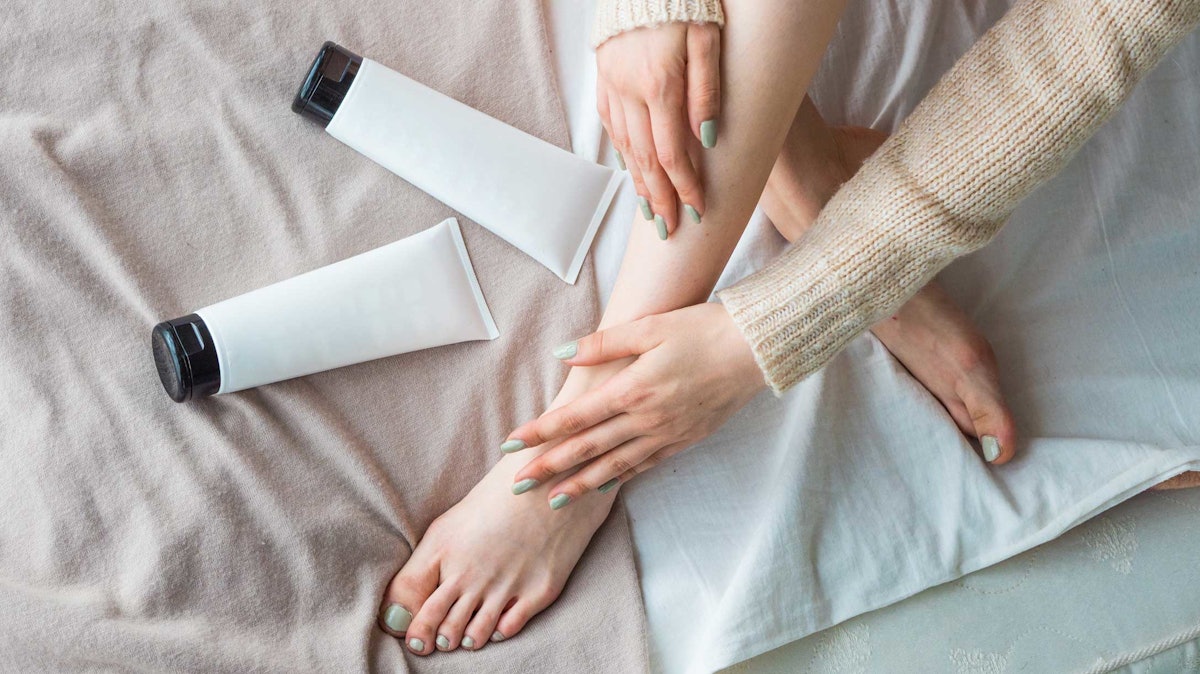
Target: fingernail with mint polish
(991,448)
(645,205)
(565,351)
(510,446)
(662,227)
(560,501)
(708,133)
(621,162)
(692,213)
(524,486)
(609,486)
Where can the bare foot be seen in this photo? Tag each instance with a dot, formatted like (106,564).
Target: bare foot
(930,335)
(494,560)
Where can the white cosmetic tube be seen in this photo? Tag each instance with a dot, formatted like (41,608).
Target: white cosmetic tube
(417,293)
(542,199)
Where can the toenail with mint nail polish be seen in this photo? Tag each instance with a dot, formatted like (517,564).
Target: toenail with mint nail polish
(560,501)
(662,227)
(442,643)
(565,351)
(497,636)
(991,448)
(524,486)
(645,205)
(708,133)
(468,643)
(692,213)
(609,486)
(397,618)
(510,446)
(416,645)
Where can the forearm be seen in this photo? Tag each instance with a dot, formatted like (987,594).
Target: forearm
(1005,119)
(771,50)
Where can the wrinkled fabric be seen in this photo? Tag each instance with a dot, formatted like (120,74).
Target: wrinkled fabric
(152,166)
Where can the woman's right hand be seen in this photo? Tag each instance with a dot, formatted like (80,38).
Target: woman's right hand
(658,93)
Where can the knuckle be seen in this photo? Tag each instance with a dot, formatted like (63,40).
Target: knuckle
(644,158)
(631,397)
(670,158)
(583,448)
(621,465)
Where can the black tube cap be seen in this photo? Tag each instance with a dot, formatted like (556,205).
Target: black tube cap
(186,358)
(327,83)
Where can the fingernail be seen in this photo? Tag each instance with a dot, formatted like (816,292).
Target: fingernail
(497,636)
(443,643)
(397,618)
(524,486)
(662,227)
(468,643)
(510,446)
(560,501)
(609,486)
(708,133)
(416,645)
(646,212)
(991,448)
(692,213)
(565,351)
(621,161)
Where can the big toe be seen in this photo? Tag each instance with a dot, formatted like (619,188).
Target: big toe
(993,423)
(406,594)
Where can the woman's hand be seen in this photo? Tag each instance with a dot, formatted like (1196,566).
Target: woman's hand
(693,370)
(658,93)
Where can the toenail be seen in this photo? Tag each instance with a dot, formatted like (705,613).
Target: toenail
(397,618)
(416,645)
(443,643)
(468,643)
(991,448)
(524,485)
(560,501)
(497,636)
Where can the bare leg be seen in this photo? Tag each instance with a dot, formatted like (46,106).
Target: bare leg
(930,335)
(493,561)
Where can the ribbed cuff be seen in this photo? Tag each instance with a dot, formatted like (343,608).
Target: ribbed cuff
(617,16)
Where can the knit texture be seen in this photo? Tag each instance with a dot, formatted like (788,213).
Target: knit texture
(1006,118)
(617,16)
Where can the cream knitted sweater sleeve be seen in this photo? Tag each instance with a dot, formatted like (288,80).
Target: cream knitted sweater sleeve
(618,16)
(1006,118)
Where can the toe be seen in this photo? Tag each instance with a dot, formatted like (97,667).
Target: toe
(422,635)
(482,626)
(406,594)
(450,632)
(515,618)
(991,421)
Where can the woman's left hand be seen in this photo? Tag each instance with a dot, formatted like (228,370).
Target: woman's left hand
(693,370)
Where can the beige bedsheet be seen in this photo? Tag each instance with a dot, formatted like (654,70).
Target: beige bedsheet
(150,165)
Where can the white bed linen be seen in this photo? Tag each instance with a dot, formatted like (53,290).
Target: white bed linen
(1119,593)
(855,490)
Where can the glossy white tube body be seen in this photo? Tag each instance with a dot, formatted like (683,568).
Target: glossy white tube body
(540,198)
(416,293)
